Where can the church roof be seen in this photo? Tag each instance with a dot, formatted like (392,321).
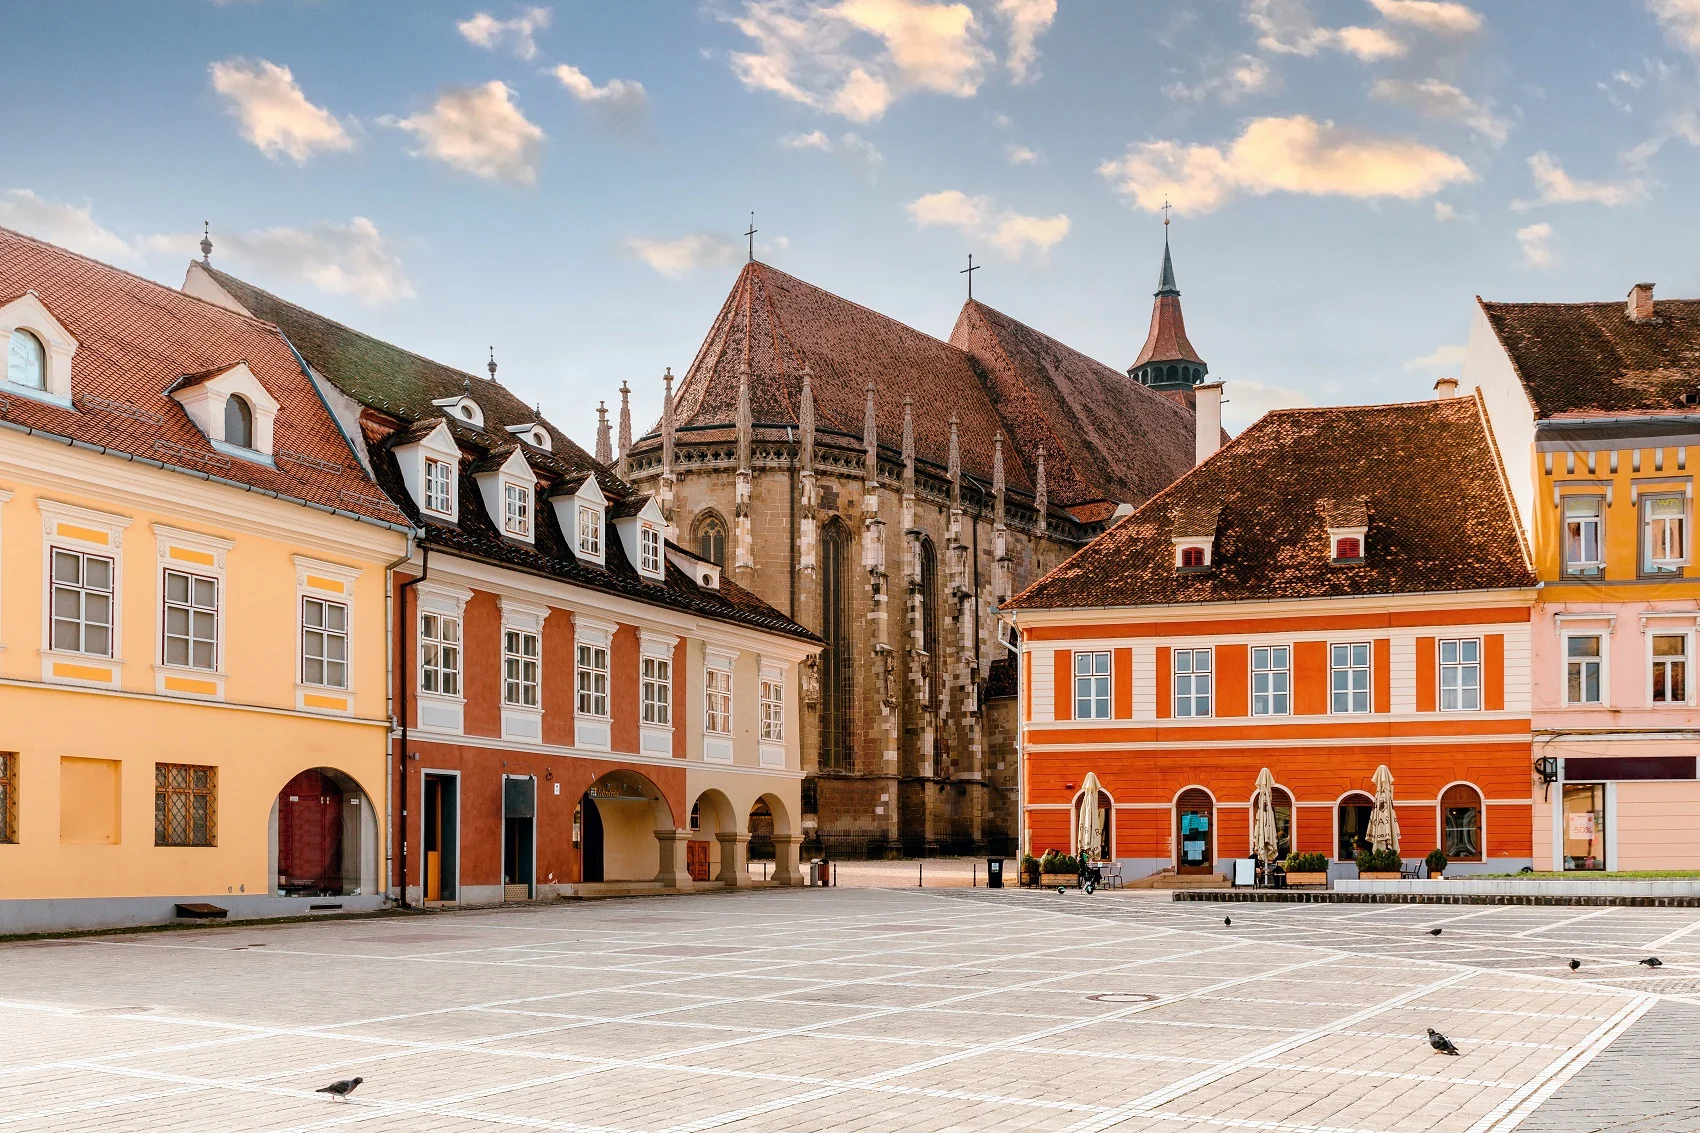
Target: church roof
(1167,341)
(1104,435)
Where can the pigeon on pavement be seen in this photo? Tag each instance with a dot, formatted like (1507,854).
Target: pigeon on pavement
(1434,932)
(1574,964)
(342,1089)
(1227,920)
(1653,962)
(1440,1042)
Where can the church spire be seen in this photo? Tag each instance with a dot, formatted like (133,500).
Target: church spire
(625,427)
(604,446)
(1166,281)
(667,422)
(1167,361)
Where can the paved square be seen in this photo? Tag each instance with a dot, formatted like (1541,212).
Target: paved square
(867,1009)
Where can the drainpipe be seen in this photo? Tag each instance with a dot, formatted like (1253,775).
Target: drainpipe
(389,694)
(406,683)
(791,609)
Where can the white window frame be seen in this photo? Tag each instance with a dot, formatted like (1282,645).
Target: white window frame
(717,682)
(516,510)
(649,549)
(1655,557)
(83,531)
(333,582)
(590,660)
(655,676)
(328,634)
(439,491)
(1583,568)
(1092,688)
(1602,662)
(1192,698)
(772,708)
(590,534)
(201,556)
(1687,660)
(1351,668)
(82,590)
(191,607)
(1463,669)
(521,669)
(1277,701)
(442,649)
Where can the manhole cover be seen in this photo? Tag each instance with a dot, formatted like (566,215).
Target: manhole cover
(1122,997)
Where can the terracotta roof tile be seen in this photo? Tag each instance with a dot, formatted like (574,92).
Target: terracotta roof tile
(1439,517)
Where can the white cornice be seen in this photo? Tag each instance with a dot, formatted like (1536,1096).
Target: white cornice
(1275,607)
(601,755)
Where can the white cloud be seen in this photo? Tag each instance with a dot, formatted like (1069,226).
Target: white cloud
(480,131)
(814,139)
(1243,76)
(1439,360)
(1441,17)
(353,259)
(1021,155)
(1286,27)
(860,153)
(69,226)
(274,115)
(1002,121)
(1292,155)
(485,30)
(1435,99)
(1534,240)
(1559,188)
(1009,232)
(1028,20)
(1444,212)
(856,57)
(676,259)
(1681,21)
(1247,400)
(622,103)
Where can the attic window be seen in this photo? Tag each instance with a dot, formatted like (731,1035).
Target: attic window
(540,438)
(1192,558)
(467,411)
(238,422)
(1347,522)
(1348,548)
(461,408)
(26,361)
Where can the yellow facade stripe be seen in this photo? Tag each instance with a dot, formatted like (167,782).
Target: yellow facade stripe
(86,534)
(330,584)
(183,554)
(82,672)
(184,684)
(312,700)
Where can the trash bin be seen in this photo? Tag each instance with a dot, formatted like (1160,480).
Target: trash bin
(994,873)
(822,870)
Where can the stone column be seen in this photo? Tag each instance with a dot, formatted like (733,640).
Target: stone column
(673,874)
(787,869)
(734,853)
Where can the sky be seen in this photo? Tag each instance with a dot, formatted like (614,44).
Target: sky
(569,182)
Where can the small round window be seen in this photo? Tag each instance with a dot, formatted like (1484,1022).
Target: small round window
(466,411)
(26,361)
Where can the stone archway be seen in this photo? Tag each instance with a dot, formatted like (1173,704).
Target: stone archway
(774,820)
(637,830)
(713,842)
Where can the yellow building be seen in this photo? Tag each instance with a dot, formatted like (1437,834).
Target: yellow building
(193,579)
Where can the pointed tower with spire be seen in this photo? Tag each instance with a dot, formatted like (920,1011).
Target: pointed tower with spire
(1167,361)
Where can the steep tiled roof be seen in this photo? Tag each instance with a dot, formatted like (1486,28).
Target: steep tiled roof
(1589,359)
(137,339)
(1439,519)
(1106,437)
(1166,341)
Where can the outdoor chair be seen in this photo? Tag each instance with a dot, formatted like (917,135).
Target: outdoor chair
(1412,869)
(1111,872)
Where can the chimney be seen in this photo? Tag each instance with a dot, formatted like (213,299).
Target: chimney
(1445,388)
(1207,414)
(1640,306)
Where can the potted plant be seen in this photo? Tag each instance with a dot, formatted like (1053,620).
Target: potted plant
(1307,869)
(1058,869)
(1379,865)
(1029,871)
(1436,862)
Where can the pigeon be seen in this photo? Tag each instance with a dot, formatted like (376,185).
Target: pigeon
(1653,962)
(342,1089)
(1574,964)
(1227,920)
(1440,1042)
(1434,932)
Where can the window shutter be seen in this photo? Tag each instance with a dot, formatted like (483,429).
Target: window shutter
(1310,678)
(1062,677)
(1427,679)
(1121,665)
(1233,677)
(1165,683)
(1381,679)
(1493,672)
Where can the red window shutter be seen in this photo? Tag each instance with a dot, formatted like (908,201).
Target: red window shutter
(1121,665)
(1493,672)
(1063,685)
(1192,557)
(1381,676)
(1348,548)
(1165,679)
(1427,680)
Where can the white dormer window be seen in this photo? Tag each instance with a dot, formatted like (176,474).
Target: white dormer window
(533,434)
(590,531)
(1346,544)
(639,523)
(649,549)
(439,486)
(1192,554)
(38,351)
(232,409)
(580,508)
(462,408)
(1347,522)
(517,520)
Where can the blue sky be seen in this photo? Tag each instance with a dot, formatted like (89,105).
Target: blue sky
(569,181)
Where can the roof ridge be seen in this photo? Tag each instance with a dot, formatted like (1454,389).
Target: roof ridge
(859,306)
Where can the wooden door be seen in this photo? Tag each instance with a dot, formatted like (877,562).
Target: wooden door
(696,860)
(1195,831)
(309,836)
(590,834)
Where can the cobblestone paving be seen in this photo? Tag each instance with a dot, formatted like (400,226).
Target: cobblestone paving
(863,1009)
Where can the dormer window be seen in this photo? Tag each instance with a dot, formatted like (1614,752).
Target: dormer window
(533,434)
(38,351)
(232,409)
(439,480)
(638,522)
(1347,522)
(1192,558)
(649,553)
(462,408)
(1194,538)
(26,361)
(590,531)
(238,422)
(429,461)
(517,520)
(1348,547)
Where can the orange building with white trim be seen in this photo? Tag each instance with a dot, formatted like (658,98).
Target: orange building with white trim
(1335,590)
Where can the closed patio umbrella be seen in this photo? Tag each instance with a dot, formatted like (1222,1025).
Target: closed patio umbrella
(1090,826)
(1265,838)
(1383,823)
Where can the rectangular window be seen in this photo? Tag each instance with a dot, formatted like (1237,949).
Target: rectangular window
(439,483)
(519,668)
(1091,686)
(1670,668)
(1192,682)
(1582,669)
(1664,541)
(518,518)
(185,805)
(1349,677)
(590,531)
(1271,681)
(658,691)
(439,654)
(718,688)
(324,643)
(1461,675)
(1584,522)
(592,680)
(191,621)
(649,550)
(772,710)
(8,797)
(82,603)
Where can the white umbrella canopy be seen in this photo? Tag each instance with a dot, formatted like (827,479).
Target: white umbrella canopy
(1383,823)
(1265,838)
(1089,827)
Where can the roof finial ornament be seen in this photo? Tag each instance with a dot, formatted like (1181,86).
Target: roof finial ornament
(908,445)
(667,422)
(625,427)
(1166,207)
(206,241)
(806,420)
(1041,498)
(604,448)
(746,422)
(492,364)
(969,272)
(870,441)
(752,235)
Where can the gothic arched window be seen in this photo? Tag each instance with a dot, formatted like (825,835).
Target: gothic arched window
(836,681)
(930,616)
(711,539)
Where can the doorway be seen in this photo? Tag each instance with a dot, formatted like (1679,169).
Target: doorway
(519,843)
(1584,826)
(590,840)
(1195,825)
(442,837)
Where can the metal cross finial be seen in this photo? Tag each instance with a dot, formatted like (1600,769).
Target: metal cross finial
(1166,207)
(752,235)
(969,272)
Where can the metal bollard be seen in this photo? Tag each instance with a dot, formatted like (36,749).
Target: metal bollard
(918,882)
(976,883)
